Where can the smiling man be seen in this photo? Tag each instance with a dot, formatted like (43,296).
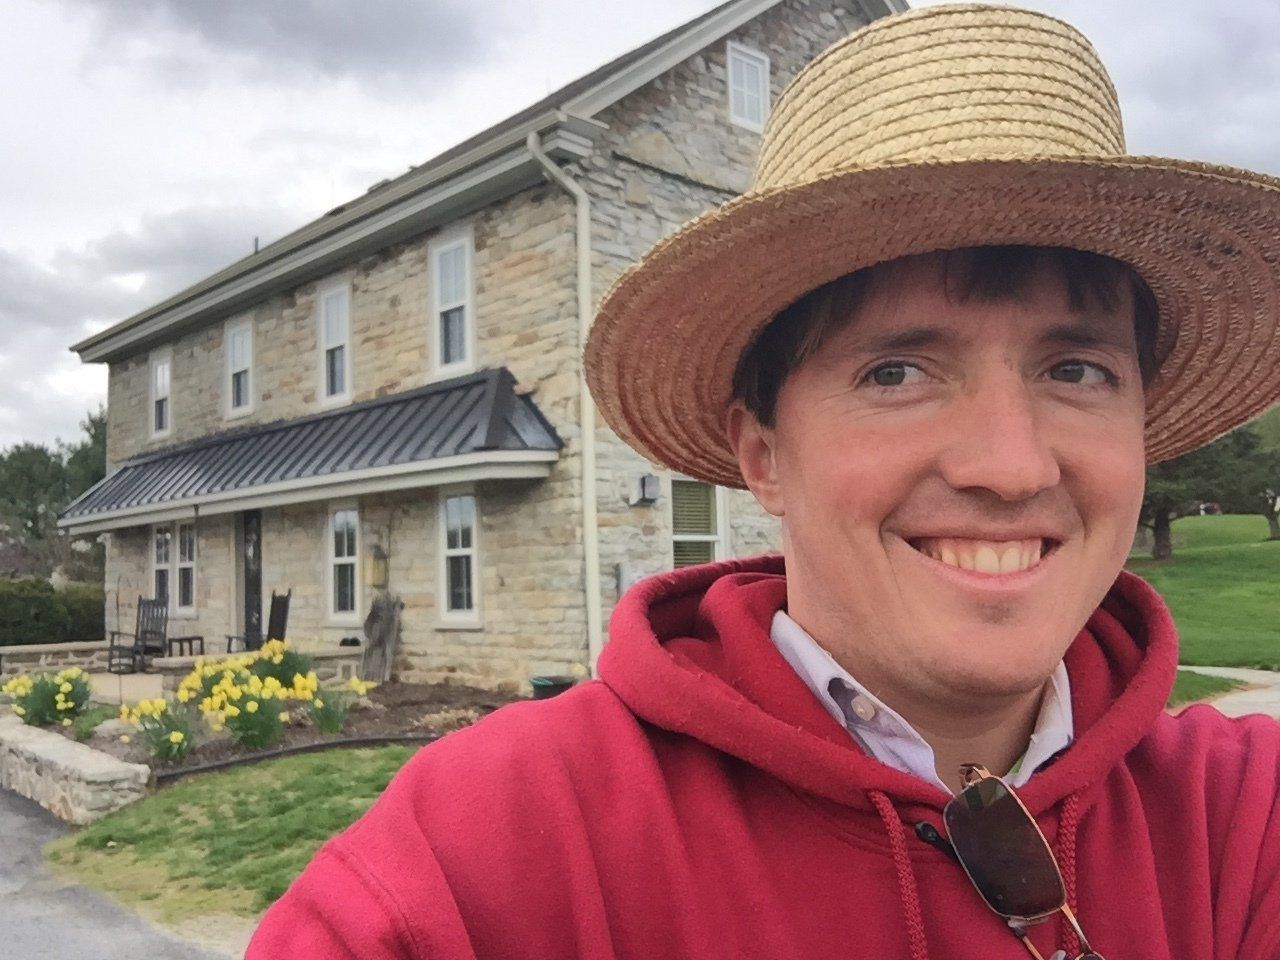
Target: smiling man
(940,339)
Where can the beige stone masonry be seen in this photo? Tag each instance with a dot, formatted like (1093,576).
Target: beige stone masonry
(72,781)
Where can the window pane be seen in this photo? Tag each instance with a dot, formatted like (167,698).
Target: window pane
(239,348)
(693,508)
(240,389)
(335,318)
(688,552)
(335,373)
(162,547)
(186,543)
(344,534)
(460,596)
(460,518)
(453,335)
(161,416)
(161,372)
(452,275)
(162,585)
(186,587)
(344,587)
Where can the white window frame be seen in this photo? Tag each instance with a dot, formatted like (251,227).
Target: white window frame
(719,540)
(175,575)
(335,616)
(230,331)
(323,292)
(175,563)
(736,50)
(463,239)
(465,619)
(156,359)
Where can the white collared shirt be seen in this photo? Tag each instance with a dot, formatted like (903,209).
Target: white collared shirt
(889,738)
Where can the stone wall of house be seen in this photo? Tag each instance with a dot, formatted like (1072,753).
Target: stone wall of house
(129,576)
(524,309)
(671,152)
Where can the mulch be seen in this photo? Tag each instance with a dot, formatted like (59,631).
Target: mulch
(392,709)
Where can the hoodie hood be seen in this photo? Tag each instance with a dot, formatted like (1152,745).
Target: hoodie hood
(690,652)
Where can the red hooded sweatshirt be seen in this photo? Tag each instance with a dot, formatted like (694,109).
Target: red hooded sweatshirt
(698,802)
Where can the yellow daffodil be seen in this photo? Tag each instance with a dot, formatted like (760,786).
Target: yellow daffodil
(176,736)
(251,706)
(20,711)
(124,738)
(64,687)
(66,722)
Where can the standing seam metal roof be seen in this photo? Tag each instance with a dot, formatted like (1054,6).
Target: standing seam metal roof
(467,414)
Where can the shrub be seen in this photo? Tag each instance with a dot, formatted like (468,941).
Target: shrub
(86,606)
(328,711)
(275,659)
(168,732)
(31,611)
(43,698)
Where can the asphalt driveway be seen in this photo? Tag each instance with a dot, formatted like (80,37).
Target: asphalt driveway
(42,917)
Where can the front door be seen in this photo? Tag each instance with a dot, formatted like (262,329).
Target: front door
(251,560)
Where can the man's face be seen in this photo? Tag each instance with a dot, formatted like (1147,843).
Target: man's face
(959,483)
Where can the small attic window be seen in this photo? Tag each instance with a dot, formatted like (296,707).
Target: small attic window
(748,72)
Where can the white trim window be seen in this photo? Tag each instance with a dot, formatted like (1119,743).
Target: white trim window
(459,571)
(334,319)
(238,340)
(344,564)
(452,321)
(697,523)
(185,595)
(161,561)
(160,407)
(748,74)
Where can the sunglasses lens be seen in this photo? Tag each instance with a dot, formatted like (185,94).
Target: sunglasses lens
(1003,851)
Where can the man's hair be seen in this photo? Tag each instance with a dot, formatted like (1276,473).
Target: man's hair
(981,274)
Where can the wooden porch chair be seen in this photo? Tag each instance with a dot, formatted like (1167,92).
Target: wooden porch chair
(149,639)
(277,625)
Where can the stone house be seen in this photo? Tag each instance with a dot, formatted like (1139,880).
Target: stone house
(391,398)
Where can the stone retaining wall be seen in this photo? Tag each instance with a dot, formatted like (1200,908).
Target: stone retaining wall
(72,781)
(52,657)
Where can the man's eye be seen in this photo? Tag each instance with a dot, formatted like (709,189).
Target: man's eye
(893,374)
(1080,371)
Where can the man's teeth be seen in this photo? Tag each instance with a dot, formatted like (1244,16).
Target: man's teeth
(983,556)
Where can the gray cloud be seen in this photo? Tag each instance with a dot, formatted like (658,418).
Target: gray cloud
(406,40)
(44,307)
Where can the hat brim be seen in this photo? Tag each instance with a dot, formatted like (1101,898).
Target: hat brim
(662,351)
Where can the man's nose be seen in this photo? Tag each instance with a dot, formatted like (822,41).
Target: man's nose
(998,442)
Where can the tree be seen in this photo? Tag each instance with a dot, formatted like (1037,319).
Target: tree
(1234,470)
(86,460)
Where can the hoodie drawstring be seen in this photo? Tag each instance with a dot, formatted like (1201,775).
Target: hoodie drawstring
(1067,828)
(907,888)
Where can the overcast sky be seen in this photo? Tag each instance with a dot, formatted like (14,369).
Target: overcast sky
(147,142)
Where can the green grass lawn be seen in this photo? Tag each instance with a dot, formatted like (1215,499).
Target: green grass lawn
(1223,586)
(227,842)
(1190,686)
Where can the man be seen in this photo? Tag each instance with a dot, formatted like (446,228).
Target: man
(940,340)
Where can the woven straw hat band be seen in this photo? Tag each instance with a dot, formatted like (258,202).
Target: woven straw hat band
(959,82)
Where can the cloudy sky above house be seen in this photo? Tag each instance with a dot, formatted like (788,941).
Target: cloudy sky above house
(148,142)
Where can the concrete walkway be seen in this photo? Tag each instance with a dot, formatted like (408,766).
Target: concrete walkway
(1263,697)
(43,916)
(115,688)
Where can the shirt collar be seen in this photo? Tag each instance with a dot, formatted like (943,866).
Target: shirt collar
(884,734)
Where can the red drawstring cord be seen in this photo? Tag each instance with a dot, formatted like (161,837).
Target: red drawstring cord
(907,888)
(1067,828)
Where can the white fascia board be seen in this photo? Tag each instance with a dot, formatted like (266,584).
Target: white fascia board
(491,172)
(465,468)
(659,61)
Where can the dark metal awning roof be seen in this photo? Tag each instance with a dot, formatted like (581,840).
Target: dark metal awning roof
(469,428)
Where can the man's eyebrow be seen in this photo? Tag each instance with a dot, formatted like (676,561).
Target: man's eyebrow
(1087,335)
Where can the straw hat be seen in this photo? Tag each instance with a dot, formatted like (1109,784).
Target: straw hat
(947,127)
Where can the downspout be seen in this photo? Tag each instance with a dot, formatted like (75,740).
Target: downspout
(586,406)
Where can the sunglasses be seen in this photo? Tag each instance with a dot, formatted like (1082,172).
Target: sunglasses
(1007,858)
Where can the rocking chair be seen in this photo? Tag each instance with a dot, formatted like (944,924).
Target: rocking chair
(277,625)
(148,640)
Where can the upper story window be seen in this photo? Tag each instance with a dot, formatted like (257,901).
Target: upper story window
(452,326)
(695,523)
(239,349)
(161,411)
(748,86)
(335,343)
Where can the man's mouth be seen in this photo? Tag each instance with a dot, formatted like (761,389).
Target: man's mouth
(986,556)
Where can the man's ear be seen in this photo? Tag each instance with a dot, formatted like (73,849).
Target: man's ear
(753,444)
